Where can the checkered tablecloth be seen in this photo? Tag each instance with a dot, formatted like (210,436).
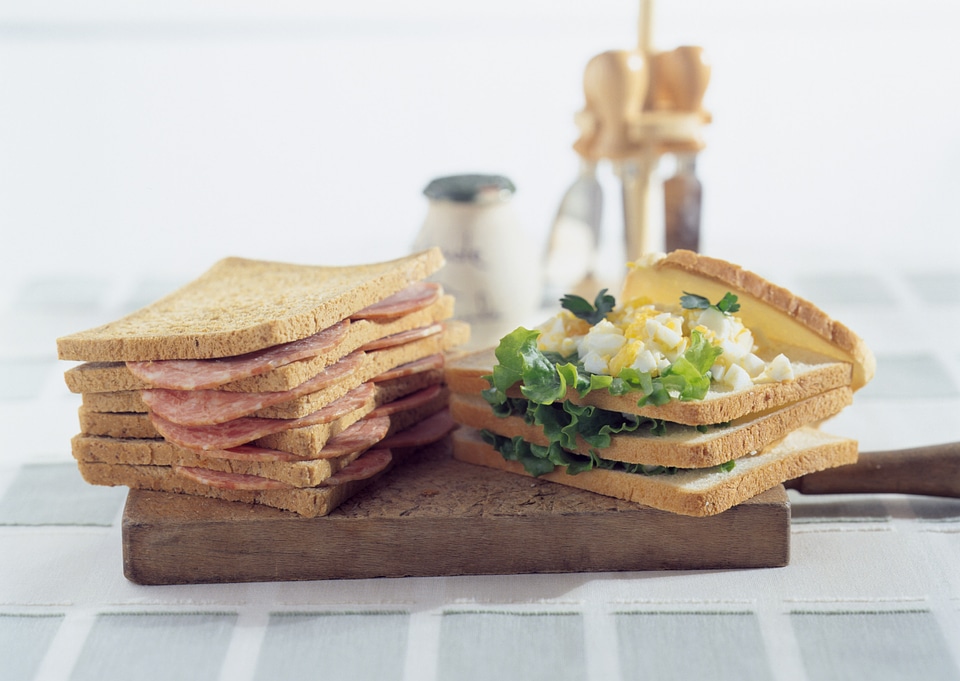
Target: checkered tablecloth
(872,590)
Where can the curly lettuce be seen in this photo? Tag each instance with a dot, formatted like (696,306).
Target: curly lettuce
(544,378)
(539,460)
(564,422)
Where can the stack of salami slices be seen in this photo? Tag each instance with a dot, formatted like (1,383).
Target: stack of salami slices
(285,385)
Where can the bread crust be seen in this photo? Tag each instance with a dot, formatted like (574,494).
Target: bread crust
(241,305)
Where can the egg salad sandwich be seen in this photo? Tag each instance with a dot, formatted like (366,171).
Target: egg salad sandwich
(697,388)
(291,386)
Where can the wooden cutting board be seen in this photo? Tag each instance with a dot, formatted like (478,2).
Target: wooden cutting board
(435,516)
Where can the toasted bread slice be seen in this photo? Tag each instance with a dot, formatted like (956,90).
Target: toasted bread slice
(240,305)
(681,446)
(687,492)
(102,377)
(465,375)
(309,502)
(155,452)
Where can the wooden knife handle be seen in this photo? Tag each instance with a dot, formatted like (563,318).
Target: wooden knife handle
(930,471)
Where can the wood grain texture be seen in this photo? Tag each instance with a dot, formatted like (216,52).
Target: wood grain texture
(436,516)
(933,470)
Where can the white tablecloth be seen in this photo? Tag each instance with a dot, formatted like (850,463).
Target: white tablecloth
(872,589)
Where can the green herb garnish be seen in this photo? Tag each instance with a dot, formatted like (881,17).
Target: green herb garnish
(592,314)
(727,305)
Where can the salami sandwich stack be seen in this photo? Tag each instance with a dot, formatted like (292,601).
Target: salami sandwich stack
(290,386)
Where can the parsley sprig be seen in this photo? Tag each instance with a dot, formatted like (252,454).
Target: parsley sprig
(582,308)
(727,305)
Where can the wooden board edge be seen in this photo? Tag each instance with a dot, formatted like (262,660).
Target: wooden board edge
(278,546)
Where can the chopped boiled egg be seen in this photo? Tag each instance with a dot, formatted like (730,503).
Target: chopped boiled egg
(561,333)
(599,346)
(736,378)
(649,338)
(777,369)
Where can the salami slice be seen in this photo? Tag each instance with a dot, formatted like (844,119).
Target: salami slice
(418,366)
(362,435)
(411,401)
(429,430)
(209,407)
(224,480)
(368,465)
(415,297)
(252,453)
(199,374)
(404,337)
(247,429)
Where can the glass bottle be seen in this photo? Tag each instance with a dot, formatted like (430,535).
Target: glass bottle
(491,268)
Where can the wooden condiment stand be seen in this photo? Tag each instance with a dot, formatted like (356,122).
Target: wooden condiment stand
(639,105)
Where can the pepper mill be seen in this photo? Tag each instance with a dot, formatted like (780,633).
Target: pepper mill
(683,79)
(640,105)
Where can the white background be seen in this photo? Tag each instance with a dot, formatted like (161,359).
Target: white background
(159,137)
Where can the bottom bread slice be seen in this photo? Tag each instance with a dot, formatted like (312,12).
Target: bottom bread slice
(310,502)
(701,492)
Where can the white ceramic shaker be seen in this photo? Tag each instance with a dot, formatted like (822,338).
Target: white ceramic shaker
(492,269)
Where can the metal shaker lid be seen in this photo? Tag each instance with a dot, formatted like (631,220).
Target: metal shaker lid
(470,188)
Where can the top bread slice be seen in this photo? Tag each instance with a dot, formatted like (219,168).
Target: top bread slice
(241,305)
(779,320)
(104,377)
(824,353)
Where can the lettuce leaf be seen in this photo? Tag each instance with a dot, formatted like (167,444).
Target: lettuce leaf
(538,460)
(544,380)
(519,360)
(689,375)
(544,377)
(562,422)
